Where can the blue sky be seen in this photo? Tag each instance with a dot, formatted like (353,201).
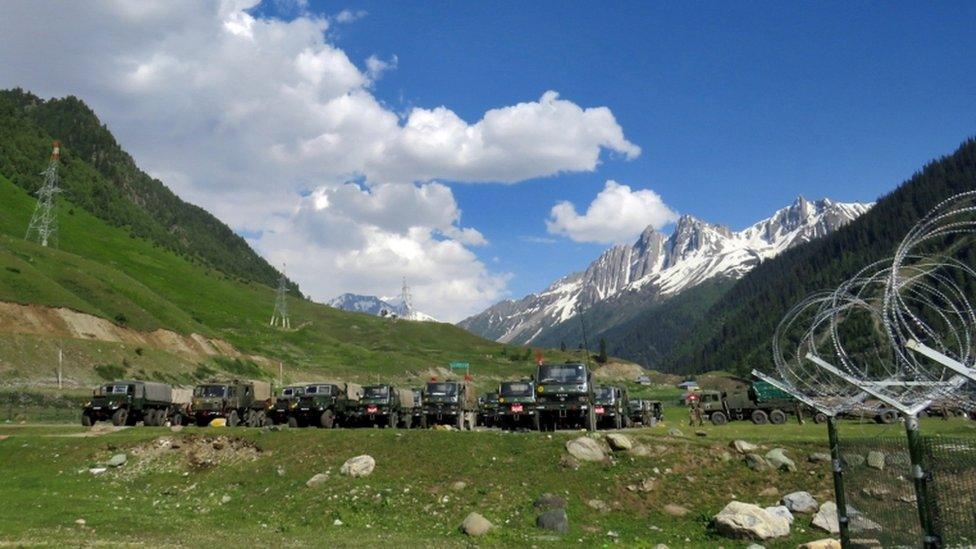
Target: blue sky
(738,107)
(352,141)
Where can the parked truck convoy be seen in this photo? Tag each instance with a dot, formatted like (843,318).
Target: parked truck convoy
(449,403)
(129,402)
(237,401)
(564,396)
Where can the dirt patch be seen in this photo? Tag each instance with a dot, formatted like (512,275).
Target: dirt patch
(193,453)
(619,370)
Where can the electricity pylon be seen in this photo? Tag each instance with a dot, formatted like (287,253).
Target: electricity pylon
(43,227)
(280,317)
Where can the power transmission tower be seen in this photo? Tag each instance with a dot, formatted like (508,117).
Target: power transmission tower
(280,317)
(43,227)
(407,300)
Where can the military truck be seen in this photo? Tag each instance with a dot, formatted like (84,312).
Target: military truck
(564,396)
(612,407)
(237,401)
(380,406)
(488,409)
(128,402)
(761,403)
(417,407)
(325,404)
(516,405)
(449,403)
(278,411)
(646,412)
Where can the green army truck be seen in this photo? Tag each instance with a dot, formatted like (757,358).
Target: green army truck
(646,412)
(564,396)
(516,405)
(128,402)
(379,406)
(237,401)
(488,409)
(278,411)
(612,407)
(325,404)
(451,403)
(761,403)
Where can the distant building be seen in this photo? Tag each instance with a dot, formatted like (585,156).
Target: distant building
(644,380)
(688,385)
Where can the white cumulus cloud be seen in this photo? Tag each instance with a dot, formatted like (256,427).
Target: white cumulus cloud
(617,214)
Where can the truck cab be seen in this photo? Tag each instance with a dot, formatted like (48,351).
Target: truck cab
(516,405)
(449,403)
(278,411)
(488,409)
(379,405)
(236,401)
(611,406)
(646,412)
(325,404)
(564,396)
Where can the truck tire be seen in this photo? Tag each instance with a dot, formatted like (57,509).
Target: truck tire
(120,417)
(176,420)
(407,421)
(293,422)
(819,418)
(777,417)
(719,418)
(327,419)
(423,421)
(617,422)
(460,421)
(147,417)
(887,417)
(233,420)
(759,417)
(628,423)
(392,420)
(86,420)
(536,422)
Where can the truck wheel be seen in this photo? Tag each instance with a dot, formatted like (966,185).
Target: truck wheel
(232,419)
(819,418)
(719,418)
(407,421)
(536,423)
(86,420)
(120,417)
(887,417)
(177,420)
(759,417)
(393,420)
(147,418)
(627,422)
(327,419)
(293,422)
(777,417)
(423,421)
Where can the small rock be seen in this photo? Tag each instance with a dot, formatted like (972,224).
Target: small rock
(876,492)
(475,525)
(337,522)
(780,511)
(554,520)
(569,462)
(743,447)
(861,543)
(756,462)
(359,466)
(459,485)
(318,480)
(118,460)
(281,471)
(859,524)
(225,499)
(647,485)
(778,459)
(675,510)
(549,501)
(661,546)
(675,432)
(825,543)
(852,460)
(598,505)
(586,449)
(819,457)
(755,546)
(81,522)
(639,450)
(800,502)
(769,491)
(176,428)
(745,520)
(619,441)
(97,470)
(876,460)
(613,534)
(725,456)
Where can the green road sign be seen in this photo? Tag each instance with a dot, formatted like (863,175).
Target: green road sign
(455,365)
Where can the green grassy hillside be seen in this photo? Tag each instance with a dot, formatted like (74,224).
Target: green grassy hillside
(102,270)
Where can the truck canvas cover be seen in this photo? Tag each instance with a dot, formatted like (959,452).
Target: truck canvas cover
(154,391)
(353,391)
(262,390)
(764,392)
(405,397)
(182,395)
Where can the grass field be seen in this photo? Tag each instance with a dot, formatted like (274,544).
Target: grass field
(163,496)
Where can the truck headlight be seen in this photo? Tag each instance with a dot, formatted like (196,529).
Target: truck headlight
(539,389)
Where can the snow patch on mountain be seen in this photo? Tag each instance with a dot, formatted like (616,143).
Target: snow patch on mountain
(377,306)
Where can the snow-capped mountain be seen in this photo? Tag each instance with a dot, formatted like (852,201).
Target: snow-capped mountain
(663,266)
(373,305)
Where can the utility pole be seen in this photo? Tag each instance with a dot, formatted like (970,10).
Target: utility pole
(60,364)
(280,317)
(43,227)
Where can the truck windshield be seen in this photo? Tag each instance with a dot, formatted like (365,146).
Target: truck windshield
(115,389)
(442,389)
(318,390)
(289,392)
(491,397)
(564,373)
(604,394)
(511,389)
(210,391)
(381,391)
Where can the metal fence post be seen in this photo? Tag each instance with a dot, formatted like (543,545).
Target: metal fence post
(837,467)
(930,540)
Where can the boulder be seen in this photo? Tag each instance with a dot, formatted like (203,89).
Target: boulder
(778,459)
(826,543)
(475,525)
(675,432)
(745,520)
(317,480)
(639,450)
(675,510)
(859,524)
(800,502)
(852,460)
(118,460)
(743,447)
(780,511)
(359,466)
(618,441)
(756,462)
(569,462)
(819,457)
(585,449)
(554,520)
(549,501)
(876,460)
(769,491)
(826,518)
